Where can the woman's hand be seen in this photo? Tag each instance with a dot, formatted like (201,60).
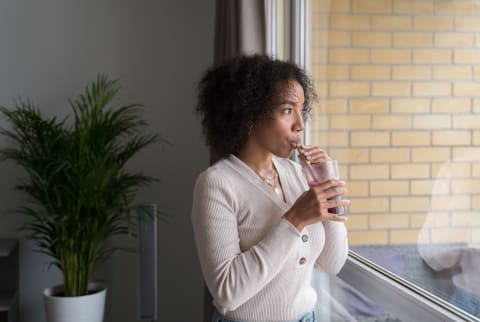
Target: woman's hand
(313,154)
(312,206)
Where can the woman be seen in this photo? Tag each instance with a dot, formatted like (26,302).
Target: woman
(259,229)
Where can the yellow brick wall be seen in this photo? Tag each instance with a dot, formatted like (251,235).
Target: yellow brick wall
(398,88)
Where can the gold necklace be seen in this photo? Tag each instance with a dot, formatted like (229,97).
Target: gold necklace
(272,182)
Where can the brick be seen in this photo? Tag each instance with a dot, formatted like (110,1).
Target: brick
(411,73)
(432,121)
(430,154)
(319,55)
(391,23)
(410,105)
(390,56)
(465,186)
(476,170)
(402,204)
(362,172)
(450,202)
(425,187)
(457,7)
(476,73)
(333,106)
(449,235)
(475,202)
(368,205)
(389,155)
(391,89)
(350,155)
(357,188)
(466,89)
(319,21)
(370,72)
(466,121)
(467,23)
(412,39)
(370,138)
(349,89)
(331,72)
(432,89)
(357,238)
(432,56)
(372,6)
(330,38)
(319,122)
(477,40)
(449,105)
(385,221)
(466,56)
(413,6)
(328,6)
(452,73)
(348,55)
(368,105)
(453,39)
(343,171)
(371,39)
(476,137)
(432,23)
(330,138)
(464,218)
(321,88)
(410,171)
(391,122)
(451,170)
(449,138)
(350,122)
(476,105)
(436,219)
(411,138)
(405,236)
(357,222)
(389,188)
(349,22)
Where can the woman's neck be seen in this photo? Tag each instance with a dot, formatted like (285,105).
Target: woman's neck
(256,158)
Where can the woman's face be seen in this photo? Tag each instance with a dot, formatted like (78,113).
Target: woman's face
(280,133)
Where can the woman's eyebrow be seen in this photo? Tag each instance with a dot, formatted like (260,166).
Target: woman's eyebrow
(288,102)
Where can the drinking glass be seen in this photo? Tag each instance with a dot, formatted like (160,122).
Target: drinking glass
(318,173)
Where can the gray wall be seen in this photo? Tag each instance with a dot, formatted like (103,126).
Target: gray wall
(158,49)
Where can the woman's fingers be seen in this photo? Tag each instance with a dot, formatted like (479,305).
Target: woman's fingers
(314,154)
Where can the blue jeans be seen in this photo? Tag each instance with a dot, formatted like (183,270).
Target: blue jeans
(309,317)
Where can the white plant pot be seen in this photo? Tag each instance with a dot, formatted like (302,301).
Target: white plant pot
(87,308)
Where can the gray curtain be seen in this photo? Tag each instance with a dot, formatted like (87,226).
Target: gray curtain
(240,28)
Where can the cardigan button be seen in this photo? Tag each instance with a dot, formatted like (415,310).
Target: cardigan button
(304,238)
(302,261)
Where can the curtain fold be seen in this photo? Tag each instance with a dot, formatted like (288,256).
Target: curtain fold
(240,28)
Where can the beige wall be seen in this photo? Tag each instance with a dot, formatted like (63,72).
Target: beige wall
(399,98)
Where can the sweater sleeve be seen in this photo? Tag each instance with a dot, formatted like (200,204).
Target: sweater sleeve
(334,253)
(233,276)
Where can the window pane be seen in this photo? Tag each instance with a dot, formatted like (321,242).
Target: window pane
(398,85)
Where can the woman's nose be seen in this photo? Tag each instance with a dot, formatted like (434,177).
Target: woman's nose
(298,126)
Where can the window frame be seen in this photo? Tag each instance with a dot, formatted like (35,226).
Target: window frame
(403,299)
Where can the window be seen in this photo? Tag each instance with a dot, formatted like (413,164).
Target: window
(398,85)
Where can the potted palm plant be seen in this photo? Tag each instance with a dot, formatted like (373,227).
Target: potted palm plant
(80,193)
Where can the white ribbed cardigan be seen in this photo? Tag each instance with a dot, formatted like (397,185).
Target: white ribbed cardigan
(256,264)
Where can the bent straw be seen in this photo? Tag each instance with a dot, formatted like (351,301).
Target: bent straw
(307,163)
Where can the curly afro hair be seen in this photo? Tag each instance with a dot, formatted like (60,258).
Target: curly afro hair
(235,95)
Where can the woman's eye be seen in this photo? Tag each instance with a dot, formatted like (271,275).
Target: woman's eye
(287,111)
